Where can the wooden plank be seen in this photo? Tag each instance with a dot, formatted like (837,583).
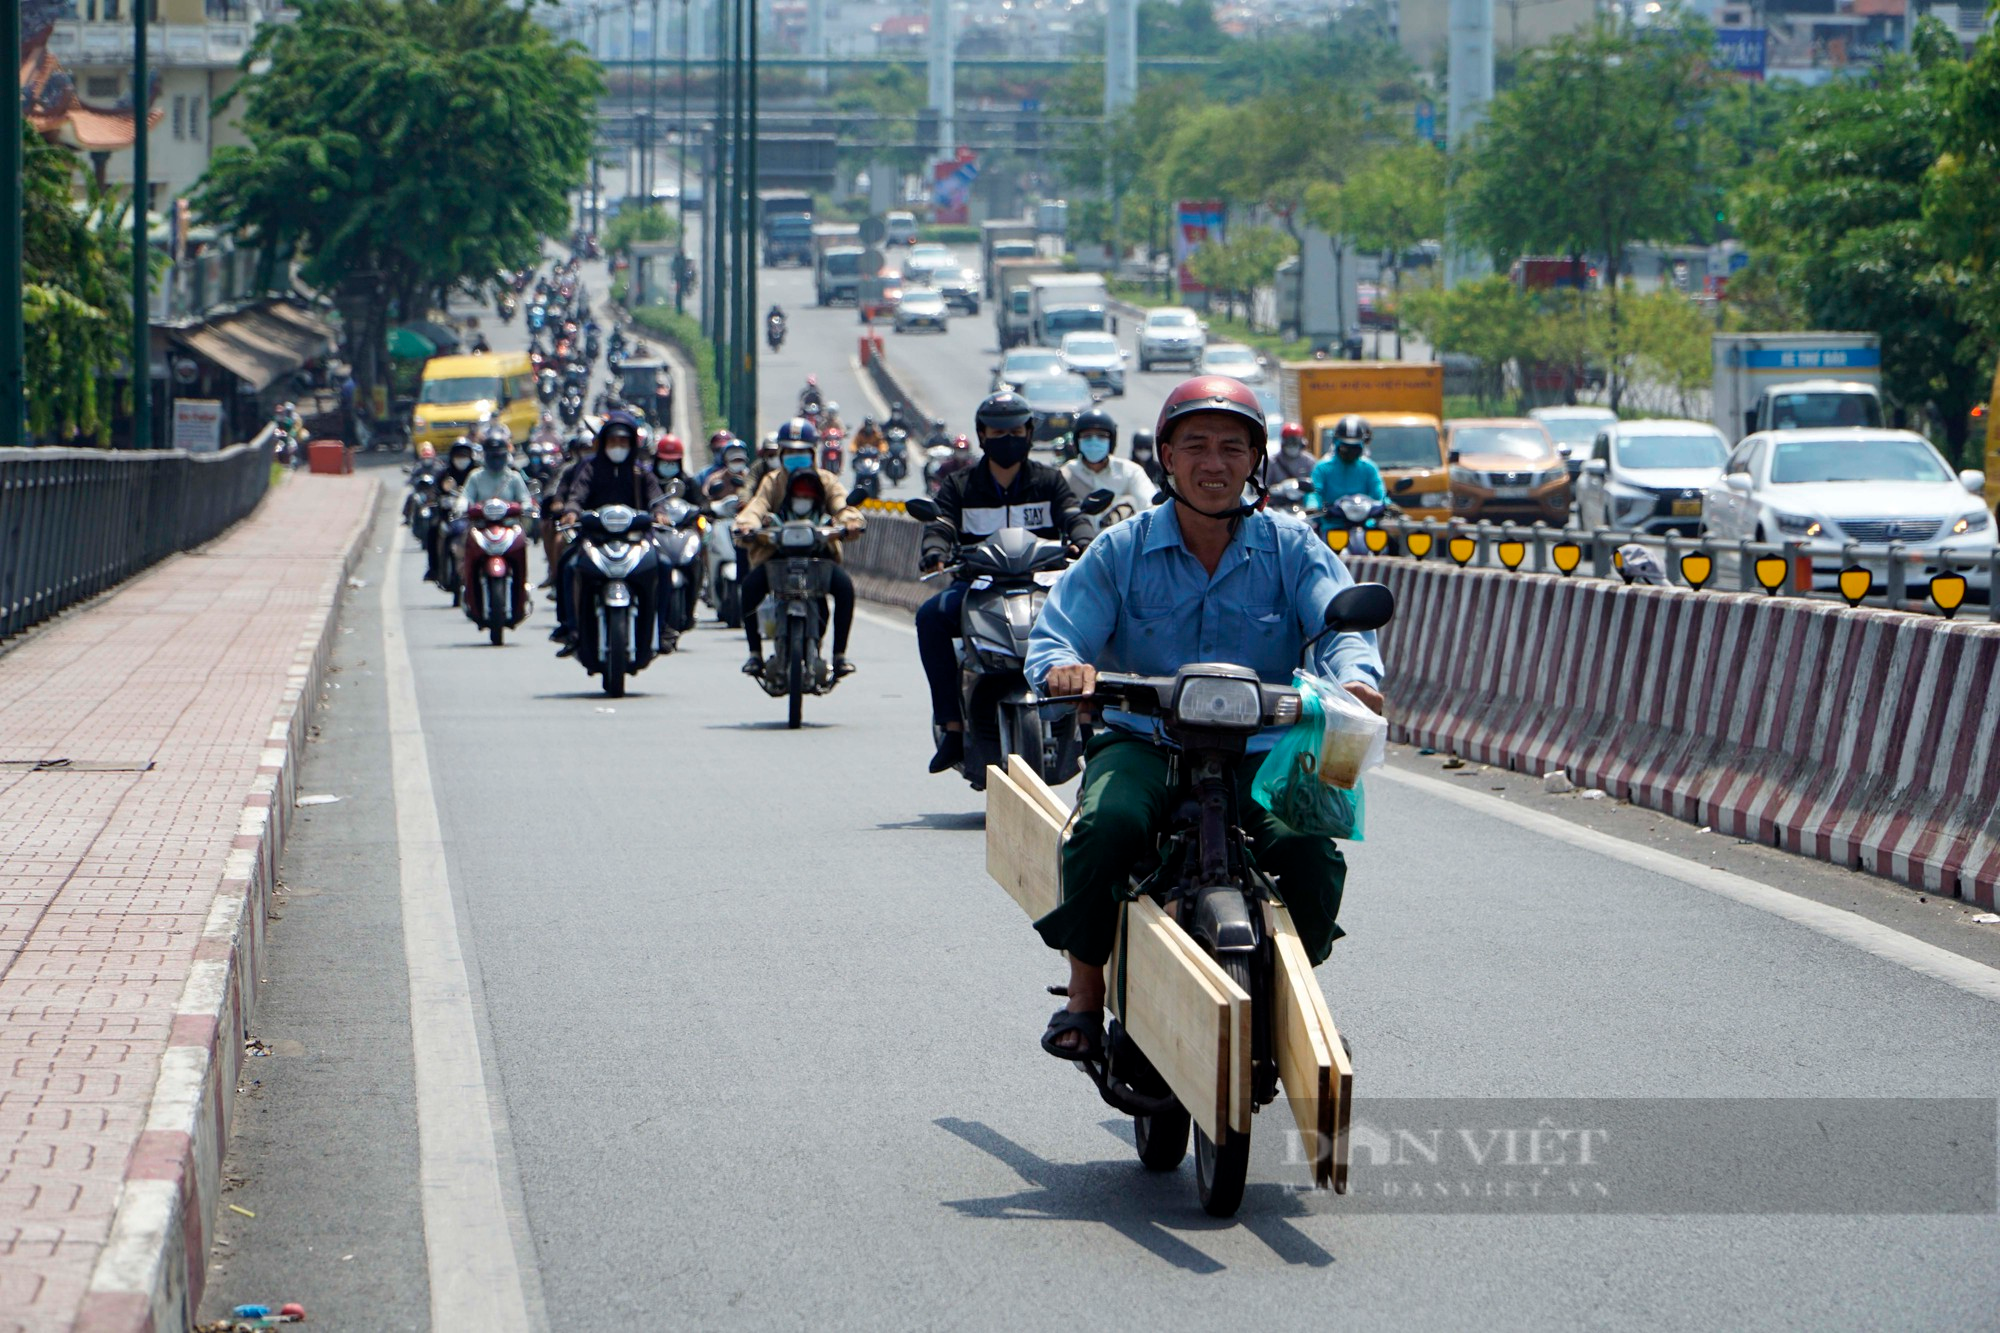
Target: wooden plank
(1313,1066)
(1185,1013)
(1024,776)
(1023,844)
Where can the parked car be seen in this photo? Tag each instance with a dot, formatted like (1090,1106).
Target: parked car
(960,288)
(1057,401)
(902,228)
(1574,429)
(1826,488)
(1022,364)
(1649,476)
(1171,334)
(1239,361)
(922,308)
(1098,358)
(1506,469)
(926,260)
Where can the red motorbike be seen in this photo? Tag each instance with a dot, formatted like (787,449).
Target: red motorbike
(496,569)
(832,450)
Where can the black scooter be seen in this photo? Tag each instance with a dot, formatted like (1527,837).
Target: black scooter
(1011,573)
(1202,874)
(619,594)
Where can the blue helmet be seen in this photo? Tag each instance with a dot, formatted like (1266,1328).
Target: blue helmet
(800,429)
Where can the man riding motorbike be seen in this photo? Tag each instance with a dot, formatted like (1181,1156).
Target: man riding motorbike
(798,489)
(766,461)
(495,480)
(1094,468)
(457,471)
(810,396)
(1143,455)
(1347,470)
(869,433)
(1006,489)
(1293,461)
(1206,578)
(609,476)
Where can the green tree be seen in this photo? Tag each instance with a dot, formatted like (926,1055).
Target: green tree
(1837,218)
(1391,202)
(1488,319)
(77,302)
(403,147)
(1238,266)
(1596,145)
(651,222)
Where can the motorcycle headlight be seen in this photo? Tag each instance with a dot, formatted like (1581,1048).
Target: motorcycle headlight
(796,537)
(1976,521)
(1798,525)
(495,510)
(1219,701)
(615,518)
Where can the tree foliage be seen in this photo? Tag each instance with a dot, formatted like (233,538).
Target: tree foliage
(649,222)
(1238,266)
(405,146)
(77,302)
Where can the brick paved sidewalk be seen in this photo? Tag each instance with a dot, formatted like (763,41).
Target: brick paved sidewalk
(132,900)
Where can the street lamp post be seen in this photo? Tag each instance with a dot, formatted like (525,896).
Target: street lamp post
(142,334)
(652,97)
(681,194)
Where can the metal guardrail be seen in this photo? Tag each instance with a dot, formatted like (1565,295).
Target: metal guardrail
(1699,563)
(73,522)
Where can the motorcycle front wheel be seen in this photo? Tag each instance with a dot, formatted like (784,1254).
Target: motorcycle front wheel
(729,603)
(616,622)
(1021,733)
(1221,1169)
(496,611)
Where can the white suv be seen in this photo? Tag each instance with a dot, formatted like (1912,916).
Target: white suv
(1172,333)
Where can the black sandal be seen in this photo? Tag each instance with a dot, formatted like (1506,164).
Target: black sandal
(1089,1026)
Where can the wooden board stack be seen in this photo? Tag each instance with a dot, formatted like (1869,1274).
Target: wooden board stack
(1186,1014)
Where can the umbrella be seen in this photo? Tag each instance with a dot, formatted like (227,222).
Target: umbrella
(447,341)
(409,345)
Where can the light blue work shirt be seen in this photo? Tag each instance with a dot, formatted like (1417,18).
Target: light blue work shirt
(1334,480)
(1138,602)
(486,483)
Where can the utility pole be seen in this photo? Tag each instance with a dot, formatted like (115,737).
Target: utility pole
(681,193)
(750,233)
(13,335)
(742,412)
(652,100)
(142,333)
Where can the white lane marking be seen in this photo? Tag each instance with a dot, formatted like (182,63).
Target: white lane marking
(1974,978)
(886,621)
(475,1276)
(867,383)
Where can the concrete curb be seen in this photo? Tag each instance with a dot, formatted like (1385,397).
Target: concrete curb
(150,1274)
(1868,738)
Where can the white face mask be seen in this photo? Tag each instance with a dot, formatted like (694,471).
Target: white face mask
(801,505)
(617,453)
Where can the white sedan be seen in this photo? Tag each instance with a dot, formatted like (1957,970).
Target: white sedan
(1097,357)
(1239,361)
(1829,488)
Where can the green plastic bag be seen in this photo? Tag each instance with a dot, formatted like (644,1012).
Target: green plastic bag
(1288,783)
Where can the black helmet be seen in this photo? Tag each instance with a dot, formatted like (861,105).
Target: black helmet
(1003,411)
(1097,421)
(1142,442)
(1352,432)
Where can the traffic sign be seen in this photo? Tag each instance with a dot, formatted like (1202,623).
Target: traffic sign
(873,231)
(871,263)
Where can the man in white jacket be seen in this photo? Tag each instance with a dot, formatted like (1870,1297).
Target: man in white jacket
(1095,468)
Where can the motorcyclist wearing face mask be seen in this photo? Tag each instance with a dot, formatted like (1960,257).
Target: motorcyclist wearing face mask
(766,461)
(1347,470)
(458,470)
(609,476)
(495,480)
(1293,461)
(797,489)
(1096,468)
(1006,489)
(730,476)
(1143,455)
(669,465)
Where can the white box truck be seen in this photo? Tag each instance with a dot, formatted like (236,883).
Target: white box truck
(1060,303)
(1794,381)
(1010,297)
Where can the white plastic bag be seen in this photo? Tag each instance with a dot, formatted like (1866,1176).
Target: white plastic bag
(1353,738)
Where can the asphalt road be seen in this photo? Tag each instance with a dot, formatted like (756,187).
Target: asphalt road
(759,1034)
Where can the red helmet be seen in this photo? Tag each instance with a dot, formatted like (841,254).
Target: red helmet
(670,446)
(1292,431)
(1212,393)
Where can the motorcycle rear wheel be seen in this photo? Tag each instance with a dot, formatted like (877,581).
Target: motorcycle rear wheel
(1221,1169)
(614,651)
(795,672)
(729,603)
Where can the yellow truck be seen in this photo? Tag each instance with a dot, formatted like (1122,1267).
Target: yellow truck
(1403,404)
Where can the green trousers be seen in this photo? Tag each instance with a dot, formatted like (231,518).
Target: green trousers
(1128,795)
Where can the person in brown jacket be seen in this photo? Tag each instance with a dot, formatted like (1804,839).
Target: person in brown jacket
(796,489)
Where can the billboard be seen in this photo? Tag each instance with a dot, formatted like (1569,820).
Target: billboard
(951,188)
(197,425)
(1195,221)
(1740,51)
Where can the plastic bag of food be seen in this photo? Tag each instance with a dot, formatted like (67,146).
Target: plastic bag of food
(1327,741)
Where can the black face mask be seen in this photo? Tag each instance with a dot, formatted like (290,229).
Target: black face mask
(1346,454)
(1006,450)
